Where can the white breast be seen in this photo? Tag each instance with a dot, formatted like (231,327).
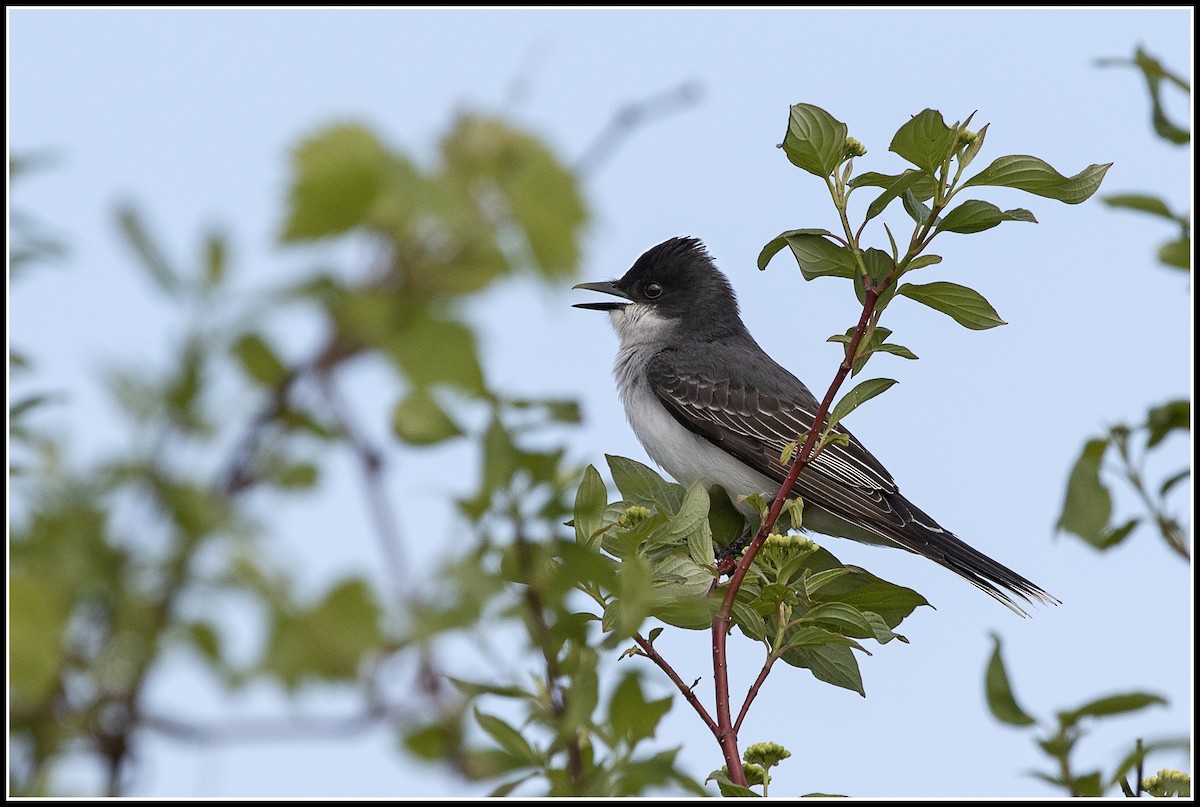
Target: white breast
(683,454)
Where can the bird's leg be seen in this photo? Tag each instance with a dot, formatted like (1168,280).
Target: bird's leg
(726,559)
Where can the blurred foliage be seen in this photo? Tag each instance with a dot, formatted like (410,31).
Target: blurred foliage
(1088,513)
(1125,450)
(119,566)
(806,607)
(1176,253)
(1060,737)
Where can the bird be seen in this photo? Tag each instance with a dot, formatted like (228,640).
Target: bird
(707,403)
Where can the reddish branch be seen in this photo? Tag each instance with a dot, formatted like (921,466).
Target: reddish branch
(649,652)
(726,732)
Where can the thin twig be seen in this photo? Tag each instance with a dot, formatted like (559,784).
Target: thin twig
(371,466)
(688,693)
(542,637)
(630,116)
(754,689)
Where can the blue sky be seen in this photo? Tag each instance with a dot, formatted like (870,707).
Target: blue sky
(190,114)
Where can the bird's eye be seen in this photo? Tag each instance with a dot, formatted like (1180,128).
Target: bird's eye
(653,290)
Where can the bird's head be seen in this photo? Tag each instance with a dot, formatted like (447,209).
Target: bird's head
(673,284)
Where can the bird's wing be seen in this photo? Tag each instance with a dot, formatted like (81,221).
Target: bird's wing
(756,428)
(846,480)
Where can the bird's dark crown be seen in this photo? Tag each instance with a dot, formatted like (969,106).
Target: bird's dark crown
(679,279)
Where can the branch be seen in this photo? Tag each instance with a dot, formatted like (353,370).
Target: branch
(274,729)
(754,689)
(689,695)
(722,622)
(542,638)
(630,116)
(370,464)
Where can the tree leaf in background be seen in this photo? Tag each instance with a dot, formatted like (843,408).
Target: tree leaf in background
(1000,697)
(420,420)
(1088,505)
(337,175)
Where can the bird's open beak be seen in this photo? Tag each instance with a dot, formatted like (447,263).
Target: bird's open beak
(605,287)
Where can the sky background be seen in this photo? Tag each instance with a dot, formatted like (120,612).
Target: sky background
(190,115)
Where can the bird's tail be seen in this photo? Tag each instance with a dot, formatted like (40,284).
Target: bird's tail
(924,536)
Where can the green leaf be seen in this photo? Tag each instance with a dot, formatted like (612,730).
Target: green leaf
(631,716)
(327,641)
(147,249)
(291,475)
(815,140)
(925,140)
(40,605)
(973,216)
(474,689)
(1035,176)
(725,520)
(902,182)
(259,360)
(680,593)
(337,174)
(517,181)
(1155,74)
(728,789)
(640,485)
(856,397)
(965,306)
(749,620)
(1177,253)
(507,737)
(590,501)
(437,351)
(1140,202)
(1166,418)
(1111,537)
(820,257)
(1088,504)
(419,420)
(879,264)
(843,618)
(216,259)
(974,147)
(691,524)
(583,690)
(922,261)
(780,241)
(922,189)
(875,344)
(917,210)
(833,664)
(896,350)
(1088,785)
(869,593)
(506,789)
(1172,481)
(1113,705)
(1000,698)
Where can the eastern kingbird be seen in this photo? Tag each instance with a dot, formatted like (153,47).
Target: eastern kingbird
(708,403)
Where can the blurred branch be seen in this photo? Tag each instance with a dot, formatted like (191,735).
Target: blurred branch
(275,729)
(543,639)
(371,465)
(631,116)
